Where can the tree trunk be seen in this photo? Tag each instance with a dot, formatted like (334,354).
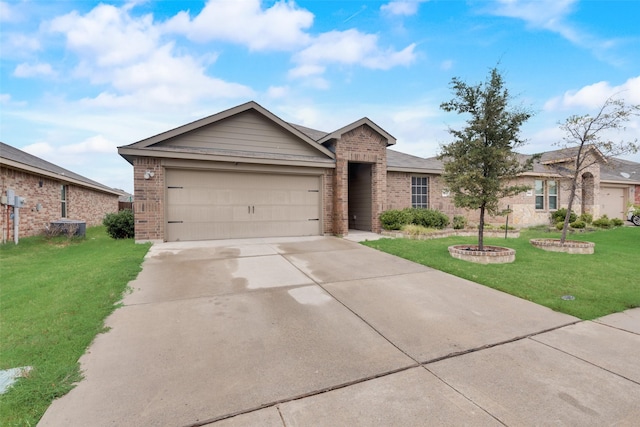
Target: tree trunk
(481,230)
(572,196)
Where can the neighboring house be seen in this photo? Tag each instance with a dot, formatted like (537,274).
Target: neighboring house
(245,172)
(51,193)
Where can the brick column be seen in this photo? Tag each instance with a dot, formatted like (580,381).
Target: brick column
(148,203)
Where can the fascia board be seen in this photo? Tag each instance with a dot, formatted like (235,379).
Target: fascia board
(56,176)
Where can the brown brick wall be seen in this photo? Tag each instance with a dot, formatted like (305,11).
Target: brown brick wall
(637,195)
(82,203)
(148,202)
(398,190)
(327,202)
(360,145)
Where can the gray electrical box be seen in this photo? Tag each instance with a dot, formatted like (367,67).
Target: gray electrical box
(20,202)
(11,197)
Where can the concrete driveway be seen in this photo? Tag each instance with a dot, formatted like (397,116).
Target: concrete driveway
(324,331)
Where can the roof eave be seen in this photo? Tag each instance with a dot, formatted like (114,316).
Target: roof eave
(53,175)
(130,153)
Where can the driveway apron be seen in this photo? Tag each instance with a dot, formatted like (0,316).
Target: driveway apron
(324,331)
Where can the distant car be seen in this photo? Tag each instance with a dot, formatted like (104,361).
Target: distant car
(634,217)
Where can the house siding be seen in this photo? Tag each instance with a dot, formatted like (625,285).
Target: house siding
(83,204)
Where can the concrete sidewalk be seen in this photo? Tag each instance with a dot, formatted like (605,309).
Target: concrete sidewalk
(324,331)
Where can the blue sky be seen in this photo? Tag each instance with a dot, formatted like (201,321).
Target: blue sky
(80,78)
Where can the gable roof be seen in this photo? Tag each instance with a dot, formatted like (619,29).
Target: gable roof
(153,143)
(18,159)
(363,121)
(567,154)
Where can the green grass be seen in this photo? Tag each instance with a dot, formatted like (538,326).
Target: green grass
(606,282)
(54,297)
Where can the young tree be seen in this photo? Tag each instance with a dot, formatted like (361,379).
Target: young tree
(480,164)
(586,134)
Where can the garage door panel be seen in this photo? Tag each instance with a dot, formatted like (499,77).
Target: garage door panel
(612,202)
(219,205)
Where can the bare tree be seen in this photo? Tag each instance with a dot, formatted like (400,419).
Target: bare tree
(586,134)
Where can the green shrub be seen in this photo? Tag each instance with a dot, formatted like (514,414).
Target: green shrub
(394,219)
(617,222)
(587,218)
(559,225)
(558,216)
(459,222)
(120,225)
(602,222)
(578,224)
(502,227)
(429,218)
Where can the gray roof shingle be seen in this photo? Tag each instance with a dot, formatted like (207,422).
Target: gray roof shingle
(11,153)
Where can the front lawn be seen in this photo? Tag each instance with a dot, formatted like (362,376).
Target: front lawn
(606,282)
(54,297)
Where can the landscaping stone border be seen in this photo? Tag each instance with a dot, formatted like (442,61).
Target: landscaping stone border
(491,254)
(448,233)
(570,246)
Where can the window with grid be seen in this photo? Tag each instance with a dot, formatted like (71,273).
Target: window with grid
(419,192)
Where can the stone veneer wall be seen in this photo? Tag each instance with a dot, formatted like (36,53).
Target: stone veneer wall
(83,204)
(148,201)
(360,145)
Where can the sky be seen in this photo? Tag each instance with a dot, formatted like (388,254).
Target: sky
(80,78)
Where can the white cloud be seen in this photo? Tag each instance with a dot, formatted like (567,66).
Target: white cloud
(280,27)
(5,98)
(446,64)
(7,12)
(22,42)
(94,144)
(107,35)
(552,15)
(350,47)
(275,92)
(594,95)
(547,14)
(125,53)
(402,7)
(28,70)
(39,149)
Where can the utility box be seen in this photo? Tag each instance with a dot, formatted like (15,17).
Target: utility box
(20,202)
(11,197)
(69,226)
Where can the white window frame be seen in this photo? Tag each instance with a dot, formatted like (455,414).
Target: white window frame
(547,192)
(64,198)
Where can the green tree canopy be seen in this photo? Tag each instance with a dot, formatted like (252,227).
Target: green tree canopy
(480,164)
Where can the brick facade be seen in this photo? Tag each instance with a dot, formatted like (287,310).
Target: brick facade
(398,190)
(43,202)
(148,202)
(359,145)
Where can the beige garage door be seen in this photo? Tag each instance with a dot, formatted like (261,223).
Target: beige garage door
(206,205)
(612,202)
